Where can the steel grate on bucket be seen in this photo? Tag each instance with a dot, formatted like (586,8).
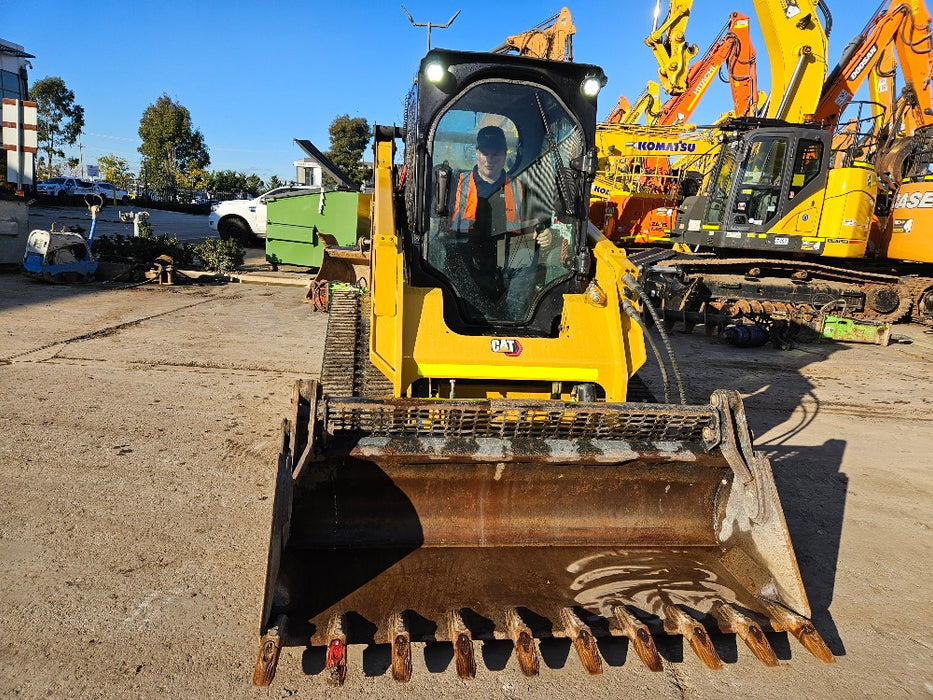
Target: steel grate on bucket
(552,420)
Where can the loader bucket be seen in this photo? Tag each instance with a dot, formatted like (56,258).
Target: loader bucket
(346,264)
(343,263)
(406,520)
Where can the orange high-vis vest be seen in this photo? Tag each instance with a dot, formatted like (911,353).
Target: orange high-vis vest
(465,203)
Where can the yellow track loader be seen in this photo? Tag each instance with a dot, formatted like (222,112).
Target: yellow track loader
(473,463)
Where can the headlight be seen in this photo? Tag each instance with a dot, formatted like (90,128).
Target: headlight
(434,71)
(591,86)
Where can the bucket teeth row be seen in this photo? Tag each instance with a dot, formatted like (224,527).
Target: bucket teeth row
(639,637)
(676,621)
(463,646)
(583,641)
(788,621)
(525,650)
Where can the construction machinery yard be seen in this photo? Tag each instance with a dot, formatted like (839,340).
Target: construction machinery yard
(142,432)
(502,470)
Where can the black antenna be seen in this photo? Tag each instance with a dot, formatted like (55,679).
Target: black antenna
(430,25)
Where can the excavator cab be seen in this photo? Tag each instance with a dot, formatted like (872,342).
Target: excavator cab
(472,464)
(772,188)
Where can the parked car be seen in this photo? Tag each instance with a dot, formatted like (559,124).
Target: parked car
(56,186)
(65,186)
(82,187)
(243,220)
(112,193)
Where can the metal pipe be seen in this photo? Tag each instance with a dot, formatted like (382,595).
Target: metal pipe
(805,55)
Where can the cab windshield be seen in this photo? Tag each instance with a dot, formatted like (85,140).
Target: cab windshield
(500,158)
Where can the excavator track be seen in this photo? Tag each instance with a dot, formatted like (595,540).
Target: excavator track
(921,291)
(800,287)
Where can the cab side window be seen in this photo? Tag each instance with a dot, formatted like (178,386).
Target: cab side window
(806,165)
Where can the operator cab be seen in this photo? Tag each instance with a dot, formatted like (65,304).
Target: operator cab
(503,252)
(759,177)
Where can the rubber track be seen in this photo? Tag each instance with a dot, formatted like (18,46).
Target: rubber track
(346,369)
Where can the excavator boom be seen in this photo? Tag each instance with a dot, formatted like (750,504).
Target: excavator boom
(797,48)
(905,25)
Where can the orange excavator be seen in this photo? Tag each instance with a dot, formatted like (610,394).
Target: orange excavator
(907,26)
(552,39)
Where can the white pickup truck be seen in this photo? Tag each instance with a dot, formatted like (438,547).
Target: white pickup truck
(243,220)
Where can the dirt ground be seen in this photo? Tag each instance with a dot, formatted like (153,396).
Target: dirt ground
(140,431)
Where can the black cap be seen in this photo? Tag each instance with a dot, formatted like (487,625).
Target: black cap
(490,138)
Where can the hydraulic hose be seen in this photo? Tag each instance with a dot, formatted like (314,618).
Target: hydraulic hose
(632,313)
(629,280)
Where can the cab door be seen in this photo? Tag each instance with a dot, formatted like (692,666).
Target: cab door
(760,184)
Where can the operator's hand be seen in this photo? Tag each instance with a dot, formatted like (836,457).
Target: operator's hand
(544,238)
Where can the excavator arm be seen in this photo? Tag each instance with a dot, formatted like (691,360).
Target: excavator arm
(552,39)
(907,26)
(733,49)
(648,103)
(671,50)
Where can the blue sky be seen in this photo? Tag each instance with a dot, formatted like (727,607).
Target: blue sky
(257,75)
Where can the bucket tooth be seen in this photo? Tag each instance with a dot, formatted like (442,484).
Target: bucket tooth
(639,637)
(525,650)
(799,626)
(731,621)
(463,646)
(401,648)
(270,644)
(676,621)
(336,660)
(583,641)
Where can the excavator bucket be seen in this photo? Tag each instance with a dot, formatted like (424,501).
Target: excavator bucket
(415,520)
(339,264)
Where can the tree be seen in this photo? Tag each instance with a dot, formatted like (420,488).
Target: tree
(60,120)
(115,169)
(194,179)
(170,146)
(348,140)
(230,182)
(254,184)
(274,182)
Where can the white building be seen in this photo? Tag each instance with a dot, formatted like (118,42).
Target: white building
(18,142)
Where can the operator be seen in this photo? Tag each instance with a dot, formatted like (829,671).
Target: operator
(501,246)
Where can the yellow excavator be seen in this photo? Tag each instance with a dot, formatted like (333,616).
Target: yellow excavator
(788,209)
(479,460)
